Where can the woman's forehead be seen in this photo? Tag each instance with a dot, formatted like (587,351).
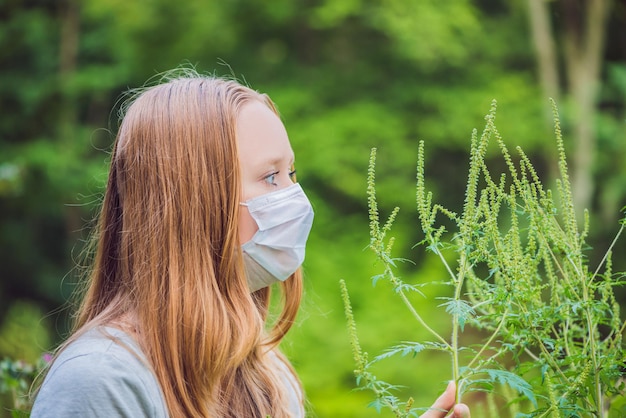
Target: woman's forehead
(261,135)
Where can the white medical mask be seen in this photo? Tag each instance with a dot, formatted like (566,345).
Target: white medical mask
(276,250)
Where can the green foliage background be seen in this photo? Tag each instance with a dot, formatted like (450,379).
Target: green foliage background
(347,75)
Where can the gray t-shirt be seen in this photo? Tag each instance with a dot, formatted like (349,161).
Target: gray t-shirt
(96,376)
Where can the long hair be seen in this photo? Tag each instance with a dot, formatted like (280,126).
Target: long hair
(168,254)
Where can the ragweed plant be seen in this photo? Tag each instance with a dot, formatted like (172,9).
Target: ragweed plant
(519,275)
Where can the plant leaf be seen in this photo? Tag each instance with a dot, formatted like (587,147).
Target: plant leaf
(514,381)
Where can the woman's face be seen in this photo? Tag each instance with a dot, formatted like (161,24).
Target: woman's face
(265,157)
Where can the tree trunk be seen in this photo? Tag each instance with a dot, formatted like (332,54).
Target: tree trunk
(582,32)
(547,67)
(547,63)
(583,41)
(68,114)
(68,55)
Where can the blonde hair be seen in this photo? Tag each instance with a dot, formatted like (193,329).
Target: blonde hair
(168,254)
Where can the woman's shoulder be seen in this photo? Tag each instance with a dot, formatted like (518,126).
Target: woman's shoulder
(104,352)
(107,342)
(101,373)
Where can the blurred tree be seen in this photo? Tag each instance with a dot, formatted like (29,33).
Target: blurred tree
(581,29)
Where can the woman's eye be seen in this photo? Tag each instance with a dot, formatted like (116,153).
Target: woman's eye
(271,179)
(292,175)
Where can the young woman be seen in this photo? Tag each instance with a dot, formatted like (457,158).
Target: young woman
(201,215)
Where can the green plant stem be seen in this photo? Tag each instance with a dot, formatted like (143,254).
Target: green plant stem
(566,337)
(592,350)
(415,314)
(433,244)
(591,332)
(606,254)
(455,356)
(565,280)
(620,332)
(542,347)
(531,354)
(564,274)
(455,326)
(454,346)
(487,344)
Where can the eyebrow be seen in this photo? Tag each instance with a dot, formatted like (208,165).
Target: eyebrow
(278,160)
